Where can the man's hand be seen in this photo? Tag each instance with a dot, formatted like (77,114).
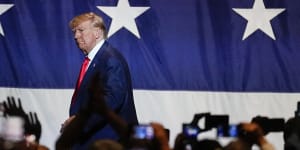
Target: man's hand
(66,123)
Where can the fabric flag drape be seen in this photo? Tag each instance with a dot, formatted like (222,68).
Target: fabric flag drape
(221,56)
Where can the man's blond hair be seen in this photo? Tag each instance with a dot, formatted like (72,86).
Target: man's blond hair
(95,19)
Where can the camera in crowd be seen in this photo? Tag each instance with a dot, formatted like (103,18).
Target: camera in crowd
(224,129)
(191,130)
(141,137)
(211,121)
(230,130)
(143,132)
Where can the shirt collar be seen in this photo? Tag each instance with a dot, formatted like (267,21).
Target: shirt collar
(94,51)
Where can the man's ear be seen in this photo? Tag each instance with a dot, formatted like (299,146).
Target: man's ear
(98,33)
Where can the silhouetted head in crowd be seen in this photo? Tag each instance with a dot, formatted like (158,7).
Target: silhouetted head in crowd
(106,145)
(291,134)
(183,143)
(237,145)
(208,144)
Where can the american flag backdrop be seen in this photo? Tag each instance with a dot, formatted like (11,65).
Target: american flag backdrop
(235,57)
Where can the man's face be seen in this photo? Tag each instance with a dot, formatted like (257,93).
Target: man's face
(86,36)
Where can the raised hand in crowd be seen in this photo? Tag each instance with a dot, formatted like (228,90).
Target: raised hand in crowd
(160,136)
(33,127)
(30,123)
(12,109)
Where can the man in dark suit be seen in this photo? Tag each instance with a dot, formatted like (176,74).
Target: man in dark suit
(111,67)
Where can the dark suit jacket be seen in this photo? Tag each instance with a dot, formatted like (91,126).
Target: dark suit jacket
(114,72)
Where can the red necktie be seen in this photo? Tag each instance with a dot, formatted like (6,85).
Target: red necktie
(83,70)
(81,75)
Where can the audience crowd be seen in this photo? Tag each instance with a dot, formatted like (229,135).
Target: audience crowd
(22,131)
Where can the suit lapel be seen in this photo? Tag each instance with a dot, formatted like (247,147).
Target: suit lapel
(93,65)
